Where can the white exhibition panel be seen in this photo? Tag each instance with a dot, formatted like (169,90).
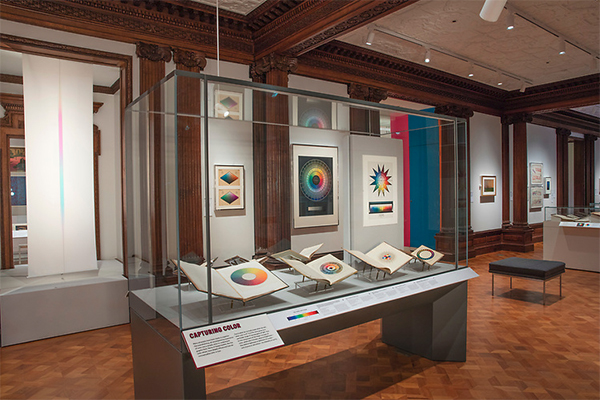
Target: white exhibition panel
(60,177)
(541,149)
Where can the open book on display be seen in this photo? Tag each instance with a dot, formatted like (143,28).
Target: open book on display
(427,255)
(384,257)
(325,269)
(244,281)
(305,255)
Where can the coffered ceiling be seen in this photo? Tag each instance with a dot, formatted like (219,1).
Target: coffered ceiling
(237,6)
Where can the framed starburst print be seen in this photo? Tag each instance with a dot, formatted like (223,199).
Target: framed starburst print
(380,190)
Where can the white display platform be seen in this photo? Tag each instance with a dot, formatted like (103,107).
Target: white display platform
(577,246)
(38,308)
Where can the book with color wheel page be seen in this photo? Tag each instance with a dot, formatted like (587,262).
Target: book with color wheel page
(244,282)
(384,257)
(326,269)
(427,255)
(305,255)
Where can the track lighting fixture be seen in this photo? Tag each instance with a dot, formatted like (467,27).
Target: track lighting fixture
(370,37)
(499,78)
(523,86)
(471,70)
(427,55)
(491,10)
(562,46)
(510,20)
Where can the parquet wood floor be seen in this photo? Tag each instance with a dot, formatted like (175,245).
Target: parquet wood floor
(516,349)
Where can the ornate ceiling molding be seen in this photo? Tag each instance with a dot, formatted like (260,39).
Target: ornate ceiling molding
(189,59)
(367,93)
(522,117)
(568,121)
(152,52)
(133,21)
(273,62)
(453,110)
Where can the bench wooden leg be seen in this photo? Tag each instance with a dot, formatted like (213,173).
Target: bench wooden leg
(511,283)
(492,284)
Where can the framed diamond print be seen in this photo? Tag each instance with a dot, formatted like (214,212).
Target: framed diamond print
(228,104)
(229,187)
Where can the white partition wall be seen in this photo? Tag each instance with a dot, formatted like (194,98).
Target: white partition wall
(60,177)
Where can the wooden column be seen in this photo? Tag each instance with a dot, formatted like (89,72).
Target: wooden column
(445,240)
(365,121)
(272,170)
(152,69)
(562,167)
(588,173)
(506,221)
(189,155)
(519,236)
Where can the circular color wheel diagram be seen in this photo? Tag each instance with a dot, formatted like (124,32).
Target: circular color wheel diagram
(315,180)
(425,254)
(249,276)
(314,118)
(331,268)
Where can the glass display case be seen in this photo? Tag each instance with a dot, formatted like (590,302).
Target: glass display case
(571,235)
(247,199)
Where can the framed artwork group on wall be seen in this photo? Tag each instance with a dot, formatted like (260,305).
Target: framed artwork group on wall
(229,187)
(315,185)
(536,197)
(380,190)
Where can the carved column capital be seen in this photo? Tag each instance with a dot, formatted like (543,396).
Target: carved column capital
(515,118)
(563,132)
(363,92)
(590,138)
(273,62)
(189,59)
(454,110)
(153,52)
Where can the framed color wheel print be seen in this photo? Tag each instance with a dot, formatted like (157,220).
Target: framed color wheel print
(315,186)
(229,187)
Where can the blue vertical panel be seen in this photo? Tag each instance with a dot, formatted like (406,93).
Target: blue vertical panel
(424,180)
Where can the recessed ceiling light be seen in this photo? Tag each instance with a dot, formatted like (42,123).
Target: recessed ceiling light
(427,55)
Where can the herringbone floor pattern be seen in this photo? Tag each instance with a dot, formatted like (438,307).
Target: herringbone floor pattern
(517,349)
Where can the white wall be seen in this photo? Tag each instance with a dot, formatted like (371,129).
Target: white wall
(486,159)
(541,147)
(317,85)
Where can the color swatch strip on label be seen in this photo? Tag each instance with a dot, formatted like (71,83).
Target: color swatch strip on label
(298,316)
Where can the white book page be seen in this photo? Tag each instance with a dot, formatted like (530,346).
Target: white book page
(427,255)
(330,269)
(391,258)
(369,260)
(310,251)
(197,274)
(251,279)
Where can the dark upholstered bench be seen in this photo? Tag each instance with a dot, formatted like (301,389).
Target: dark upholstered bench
(527,268)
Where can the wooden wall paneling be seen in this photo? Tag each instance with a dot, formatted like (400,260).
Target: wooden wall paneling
(562,167)
(152,59)
(272,166)
(189,154)
(364,121)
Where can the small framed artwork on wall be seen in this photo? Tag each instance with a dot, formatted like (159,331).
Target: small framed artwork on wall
(547,185)
(229,104)
(488,185)
(536,197)
(535,173)
(229,187)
